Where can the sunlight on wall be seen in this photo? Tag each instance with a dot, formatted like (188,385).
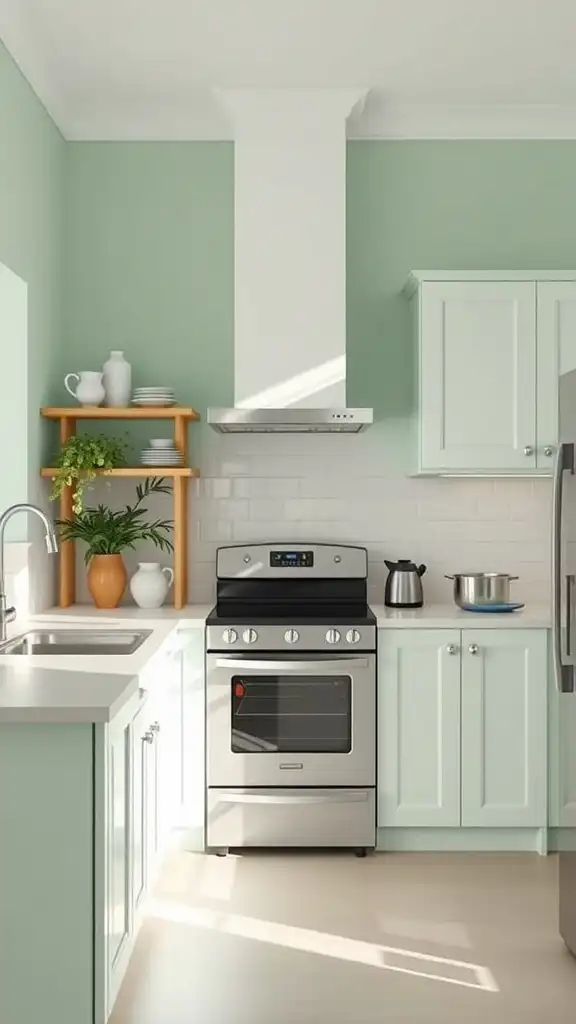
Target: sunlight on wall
(296,389)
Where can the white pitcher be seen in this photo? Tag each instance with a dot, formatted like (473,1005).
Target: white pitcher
(89,390)
(149,585)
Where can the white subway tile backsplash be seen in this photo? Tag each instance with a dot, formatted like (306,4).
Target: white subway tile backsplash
(266,510)
(351,490)
(265,487)
(217,487)
(212,509)
(328,509)
(216,530)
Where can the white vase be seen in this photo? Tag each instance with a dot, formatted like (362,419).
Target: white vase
(89,390)
(149,585)
(117,380)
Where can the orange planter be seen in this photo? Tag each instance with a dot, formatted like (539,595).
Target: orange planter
(107,579)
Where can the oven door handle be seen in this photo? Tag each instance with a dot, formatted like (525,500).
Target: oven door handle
(312,668)
(339,796)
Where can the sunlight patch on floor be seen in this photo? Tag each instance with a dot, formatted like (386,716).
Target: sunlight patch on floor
(389,958)
(218,877)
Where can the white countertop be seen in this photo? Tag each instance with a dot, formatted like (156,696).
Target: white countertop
(190,617)
(82,688)
(450,617)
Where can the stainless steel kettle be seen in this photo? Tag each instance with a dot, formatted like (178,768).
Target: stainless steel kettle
(404,584)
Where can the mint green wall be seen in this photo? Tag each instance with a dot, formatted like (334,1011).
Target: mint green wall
(32,156)
(436,205)
(149,261)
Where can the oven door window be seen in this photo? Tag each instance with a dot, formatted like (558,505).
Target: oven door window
(291,714)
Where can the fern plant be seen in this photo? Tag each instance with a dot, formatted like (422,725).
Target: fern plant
(78,461)
(109,533)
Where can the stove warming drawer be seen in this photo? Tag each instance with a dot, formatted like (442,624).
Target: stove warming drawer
(291,817)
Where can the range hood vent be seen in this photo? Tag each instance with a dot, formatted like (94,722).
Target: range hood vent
(290,421)
(290,263)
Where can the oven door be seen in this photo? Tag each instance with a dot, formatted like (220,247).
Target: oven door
(284,721)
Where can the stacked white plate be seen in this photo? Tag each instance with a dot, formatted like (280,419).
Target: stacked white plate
(161,457)
(153,396)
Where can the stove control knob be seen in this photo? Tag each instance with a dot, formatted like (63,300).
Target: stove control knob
(249,636)
(291,636)
(229,636)
(353,636)
(332,636)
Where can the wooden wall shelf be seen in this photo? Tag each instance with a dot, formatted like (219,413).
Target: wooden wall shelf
(143,471)
(181,417)
(97,412)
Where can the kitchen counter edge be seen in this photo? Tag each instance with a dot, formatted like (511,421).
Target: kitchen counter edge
(80,690)
(533,616)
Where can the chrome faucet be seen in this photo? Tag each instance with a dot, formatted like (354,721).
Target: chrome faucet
(9,614)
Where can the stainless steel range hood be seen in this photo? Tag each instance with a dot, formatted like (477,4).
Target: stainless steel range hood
(290,421)
(290,263)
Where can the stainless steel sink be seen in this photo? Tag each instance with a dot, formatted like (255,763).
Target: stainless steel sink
(76,641)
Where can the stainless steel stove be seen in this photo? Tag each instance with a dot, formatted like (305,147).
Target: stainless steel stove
(291,699)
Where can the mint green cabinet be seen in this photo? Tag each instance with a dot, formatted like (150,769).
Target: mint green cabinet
(140,774)
(504,728)
(477,345)
(100,801)
(562,757)
(419,727)
(462,728)
(492,349)
(194,716)
(118,908)
(556,355)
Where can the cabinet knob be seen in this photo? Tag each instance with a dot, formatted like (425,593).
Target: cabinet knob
(528,450)
(548,450)
(155,727)
(451,649)
(473,649)
(148,737)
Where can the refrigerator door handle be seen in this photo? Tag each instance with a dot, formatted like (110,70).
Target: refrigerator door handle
(568,635)
(563,673)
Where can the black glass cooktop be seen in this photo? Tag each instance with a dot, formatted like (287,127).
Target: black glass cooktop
(292,614)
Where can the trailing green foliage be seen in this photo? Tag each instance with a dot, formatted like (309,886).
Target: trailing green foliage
(108,533)
(80,458)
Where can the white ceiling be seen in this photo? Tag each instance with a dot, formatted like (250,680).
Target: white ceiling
(145,69)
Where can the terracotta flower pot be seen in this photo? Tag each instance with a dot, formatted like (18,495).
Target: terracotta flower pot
(107,579)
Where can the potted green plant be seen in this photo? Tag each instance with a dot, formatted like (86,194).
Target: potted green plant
(107,534)
(79,460)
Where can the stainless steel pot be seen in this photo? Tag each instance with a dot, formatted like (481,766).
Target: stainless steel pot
(481,588)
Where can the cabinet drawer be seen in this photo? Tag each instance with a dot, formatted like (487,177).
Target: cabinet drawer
(291,817)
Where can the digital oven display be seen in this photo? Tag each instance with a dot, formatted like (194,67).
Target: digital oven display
(291,559)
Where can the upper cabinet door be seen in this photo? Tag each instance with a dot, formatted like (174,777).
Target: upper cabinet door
(478,376)
(556,355)
(419,727)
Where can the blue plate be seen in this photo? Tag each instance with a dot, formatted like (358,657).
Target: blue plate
(512,607)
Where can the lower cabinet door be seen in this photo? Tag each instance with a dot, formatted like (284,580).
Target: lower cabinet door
(504,728)
(419,727)
(562,758)
(140,773)
(118,891)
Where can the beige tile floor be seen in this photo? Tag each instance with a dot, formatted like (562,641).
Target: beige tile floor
(276,939)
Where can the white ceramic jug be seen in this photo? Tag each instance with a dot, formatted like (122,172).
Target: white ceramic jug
(89,390)
(117,380)
(149,585)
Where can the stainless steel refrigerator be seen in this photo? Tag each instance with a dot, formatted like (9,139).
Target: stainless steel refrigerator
(564,649)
